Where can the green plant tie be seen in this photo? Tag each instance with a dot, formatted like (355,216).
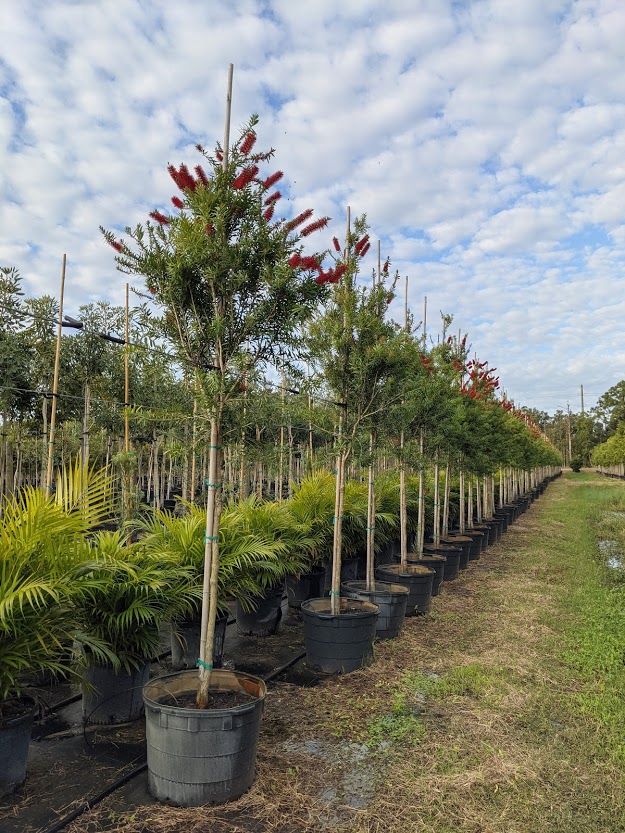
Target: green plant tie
(215,446)
(212,485)
(208,538)
(334,592)
(371,528)
(201,664)
(336,518)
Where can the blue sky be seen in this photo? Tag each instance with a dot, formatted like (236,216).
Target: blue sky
(484,140)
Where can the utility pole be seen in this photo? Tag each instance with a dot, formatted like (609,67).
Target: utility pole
(582,392)
(568,431)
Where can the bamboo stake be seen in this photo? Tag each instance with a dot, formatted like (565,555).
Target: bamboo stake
(127,379)
(403,512)
(55,384)
(226,146)
(437,502)
(371,519)
(193,452)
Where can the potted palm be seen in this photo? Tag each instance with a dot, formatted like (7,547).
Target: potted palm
(44,571)
(235,288)
(135,592)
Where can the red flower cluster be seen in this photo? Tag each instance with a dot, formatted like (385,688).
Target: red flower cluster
(271,180)
(199,170)
(117,246)
(219,156)
(248,143)
(362,247)
(482,382)
(268,213)
(177,202)
(387,263)
(245,177)
(318,224)
(182,177)
(273,198)
(297,221)
(337,245)
(427,363)
(160,218)
(209,229)
(311,264)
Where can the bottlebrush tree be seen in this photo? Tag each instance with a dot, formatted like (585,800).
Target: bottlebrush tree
(230,278)
(362,360)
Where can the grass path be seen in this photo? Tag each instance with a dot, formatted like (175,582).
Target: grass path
(503,711)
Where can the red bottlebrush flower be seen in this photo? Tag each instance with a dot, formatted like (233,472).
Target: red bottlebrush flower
(297,221)
(199,170)
(268,213)
(387,263)
(245,177)
(389,299)
(321,278)
(294,260)
(160,218)
(271,180)
(310,262)
(341,269)
(449,340)
(152,290)
(219,156)
(186,178)
(248,143)
(365,249)
(337,245)
(200,148)
(175,176)
(177,202)
(335,278)
(464,341)
(322,223)
(361,244)
(210,228)
(273,198)
(117,246)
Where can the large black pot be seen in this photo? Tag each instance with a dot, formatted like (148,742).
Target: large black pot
(305,586)
(265,618)
(391,600)
(477,537)
(185,643)
(417,578)
(201,756)
(112,696)
(339,643)
(15,732)
(349,572)
(460,543)
(434,562)
(489,535)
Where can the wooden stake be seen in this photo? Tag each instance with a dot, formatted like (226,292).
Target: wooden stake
(127,381)
(55,384)
(226,146)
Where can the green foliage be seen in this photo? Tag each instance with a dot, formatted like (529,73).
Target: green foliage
(45,562)
(576,464)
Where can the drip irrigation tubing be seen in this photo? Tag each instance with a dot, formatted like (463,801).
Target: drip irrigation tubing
(90,803)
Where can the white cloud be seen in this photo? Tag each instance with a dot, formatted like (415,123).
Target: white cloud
(485,142)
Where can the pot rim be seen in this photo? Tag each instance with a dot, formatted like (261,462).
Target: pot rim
(367,608)
(385,588)
(193,676)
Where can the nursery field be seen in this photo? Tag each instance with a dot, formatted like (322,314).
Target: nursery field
(499,711)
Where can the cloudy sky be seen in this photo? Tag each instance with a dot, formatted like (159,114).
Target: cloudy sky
(484,139)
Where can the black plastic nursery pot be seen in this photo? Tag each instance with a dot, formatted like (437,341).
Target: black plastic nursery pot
(460,542)
(494,524)
(349,572)
(342,642)
(391,599)
(110,696)
(504,518)
(417,578)
(434,562)
(489,536)
(264,620)
(203,756)
(305,586)
(476,535)
(185,643)
(15,731)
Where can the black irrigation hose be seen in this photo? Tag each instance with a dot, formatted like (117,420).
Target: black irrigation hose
(89,803)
